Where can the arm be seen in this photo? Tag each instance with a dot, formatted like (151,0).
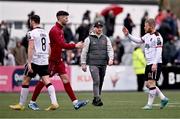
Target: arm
(85,50)
(132,38)
(49,50)
(84,54)
(30,53)
(59,39)
(158,54)
(135,39)
(110,51)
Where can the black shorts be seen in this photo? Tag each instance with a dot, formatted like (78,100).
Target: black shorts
(41,70)
(149,75)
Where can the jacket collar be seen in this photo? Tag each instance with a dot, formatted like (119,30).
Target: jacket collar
(59,25)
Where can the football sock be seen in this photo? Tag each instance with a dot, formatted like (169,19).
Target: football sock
(151,95)
(69,91)
(52,93)
(37,90)
(32,101)
(160,94)
(75,101)
(24,94)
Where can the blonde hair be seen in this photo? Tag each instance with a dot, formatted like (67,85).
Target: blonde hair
(151,22)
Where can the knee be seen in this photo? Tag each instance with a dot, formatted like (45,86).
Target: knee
(96,82)
(147,85)
(151,83)
(64,78)
(26,81)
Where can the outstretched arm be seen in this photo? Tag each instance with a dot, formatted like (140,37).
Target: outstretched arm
(132,38)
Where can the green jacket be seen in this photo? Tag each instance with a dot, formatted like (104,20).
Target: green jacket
(139,62)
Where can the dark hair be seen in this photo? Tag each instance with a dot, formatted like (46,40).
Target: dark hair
(62,13)
(35,18)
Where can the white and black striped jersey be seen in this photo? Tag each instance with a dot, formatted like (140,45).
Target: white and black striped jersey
(41,46)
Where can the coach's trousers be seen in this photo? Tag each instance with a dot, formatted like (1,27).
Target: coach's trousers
(97,73)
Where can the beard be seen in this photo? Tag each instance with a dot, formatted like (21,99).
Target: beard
(64,24)
(148,30)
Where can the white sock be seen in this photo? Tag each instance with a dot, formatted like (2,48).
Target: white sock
(75,101)
(52,94)
(160,94)
(151,96)
(32,101)
(23,96)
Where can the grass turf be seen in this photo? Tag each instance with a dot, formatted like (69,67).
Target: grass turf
(116,105)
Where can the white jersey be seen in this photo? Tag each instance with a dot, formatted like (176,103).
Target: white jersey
(153,47)
(41,46)
(152,43)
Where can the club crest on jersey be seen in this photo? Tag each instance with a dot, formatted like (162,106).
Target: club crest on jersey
(29,35)
(158,41)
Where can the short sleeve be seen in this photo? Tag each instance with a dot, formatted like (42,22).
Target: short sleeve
(144,37)
(30,35)
(159,41)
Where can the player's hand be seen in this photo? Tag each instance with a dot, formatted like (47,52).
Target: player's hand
(84,67)
(125,31)
(154,68)
(110,62)
(30,68)
(79,45)
(72,42)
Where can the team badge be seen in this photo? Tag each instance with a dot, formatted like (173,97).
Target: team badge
(29,35)
(158,41)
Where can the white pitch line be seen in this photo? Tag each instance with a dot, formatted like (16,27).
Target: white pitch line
(173,104)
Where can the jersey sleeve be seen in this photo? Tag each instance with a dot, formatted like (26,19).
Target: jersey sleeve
(58,37)
(158,46)
(85,50)
(144,37)
(135,39)
(159,41)
(30,35)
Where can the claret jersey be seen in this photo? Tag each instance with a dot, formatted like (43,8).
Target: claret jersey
(41,46)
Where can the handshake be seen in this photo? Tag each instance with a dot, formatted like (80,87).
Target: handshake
(79,45)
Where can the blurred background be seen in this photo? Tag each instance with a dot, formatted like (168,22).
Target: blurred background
(14,24)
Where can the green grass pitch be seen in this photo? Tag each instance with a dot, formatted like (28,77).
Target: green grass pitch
(116,105)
